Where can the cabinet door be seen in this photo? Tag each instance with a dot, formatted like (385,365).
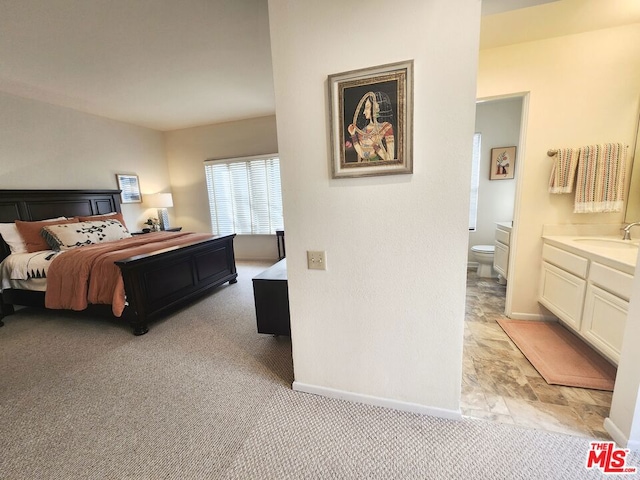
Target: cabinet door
(501,259)
(563,294)
(604,320)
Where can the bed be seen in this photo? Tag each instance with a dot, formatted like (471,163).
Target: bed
(154,283)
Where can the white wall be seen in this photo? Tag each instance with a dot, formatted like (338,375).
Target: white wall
(584,89)
(499,123)
(385,321)
(48,147)
(187,149)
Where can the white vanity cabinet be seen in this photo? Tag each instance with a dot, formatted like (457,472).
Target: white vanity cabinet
(589,297)
(501,252)
(563,284)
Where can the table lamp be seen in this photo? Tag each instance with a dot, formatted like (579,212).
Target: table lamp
(161,201)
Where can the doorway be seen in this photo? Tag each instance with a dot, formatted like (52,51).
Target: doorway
(498,382)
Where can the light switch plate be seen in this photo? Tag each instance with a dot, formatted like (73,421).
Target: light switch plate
(316,260)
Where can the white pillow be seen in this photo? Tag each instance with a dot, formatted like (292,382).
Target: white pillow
(12,237)
(66,236)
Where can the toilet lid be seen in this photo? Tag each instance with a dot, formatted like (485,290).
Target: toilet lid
(483,248)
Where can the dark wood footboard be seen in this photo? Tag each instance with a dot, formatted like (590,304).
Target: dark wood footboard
(169,278)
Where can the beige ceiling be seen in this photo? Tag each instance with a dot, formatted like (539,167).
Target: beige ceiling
(555,19)
(170,64)
(164,64)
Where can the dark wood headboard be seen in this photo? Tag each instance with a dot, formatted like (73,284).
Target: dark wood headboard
(42,204)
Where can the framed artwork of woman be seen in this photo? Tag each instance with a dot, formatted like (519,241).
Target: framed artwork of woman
(371,120)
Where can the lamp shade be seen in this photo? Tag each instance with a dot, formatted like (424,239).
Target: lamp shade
(160,200)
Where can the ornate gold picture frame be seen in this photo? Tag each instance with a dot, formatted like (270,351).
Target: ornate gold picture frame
(371,121)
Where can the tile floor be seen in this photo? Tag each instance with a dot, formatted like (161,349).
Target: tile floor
(499,383)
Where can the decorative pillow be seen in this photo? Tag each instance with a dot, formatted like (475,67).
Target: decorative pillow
(105,216)
(73,235)
(30,233)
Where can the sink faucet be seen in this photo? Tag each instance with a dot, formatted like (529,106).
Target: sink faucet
(627,230)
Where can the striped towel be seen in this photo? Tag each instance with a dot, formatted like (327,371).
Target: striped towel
(563,171)
(601,176)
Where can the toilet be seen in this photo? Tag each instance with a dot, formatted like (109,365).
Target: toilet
(483,254)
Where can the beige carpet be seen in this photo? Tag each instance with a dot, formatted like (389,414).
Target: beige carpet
(559,356)
(203,396)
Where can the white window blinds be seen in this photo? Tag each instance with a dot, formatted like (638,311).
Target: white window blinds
(245,195)
(475,181)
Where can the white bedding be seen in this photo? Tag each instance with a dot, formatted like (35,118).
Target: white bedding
(20,270)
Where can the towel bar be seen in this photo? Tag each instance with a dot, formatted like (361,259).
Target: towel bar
(552,153)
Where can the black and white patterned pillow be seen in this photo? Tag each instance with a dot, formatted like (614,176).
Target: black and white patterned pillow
(72,235)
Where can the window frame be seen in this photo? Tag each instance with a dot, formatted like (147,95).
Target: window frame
(474,194)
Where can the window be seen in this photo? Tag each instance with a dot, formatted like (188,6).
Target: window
(245,195)
(475,181)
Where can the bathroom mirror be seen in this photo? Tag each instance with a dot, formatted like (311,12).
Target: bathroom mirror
(632,214)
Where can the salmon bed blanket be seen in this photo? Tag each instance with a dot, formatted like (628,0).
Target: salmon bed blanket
(88,275)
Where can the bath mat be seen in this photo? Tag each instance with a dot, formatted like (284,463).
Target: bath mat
(559,356)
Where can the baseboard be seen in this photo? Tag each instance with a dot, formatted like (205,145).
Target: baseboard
(377,401)
(532,316)
(619,437)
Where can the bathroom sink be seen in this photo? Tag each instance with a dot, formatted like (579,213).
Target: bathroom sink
(607,243)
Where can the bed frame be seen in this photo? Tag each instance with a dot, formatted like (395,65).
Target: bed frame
(155,283)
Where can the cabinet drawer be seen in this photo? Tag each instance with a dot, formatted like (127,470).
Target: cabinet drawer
(604,321)
(614,281)
(502,236)
(565,260)
(563,294)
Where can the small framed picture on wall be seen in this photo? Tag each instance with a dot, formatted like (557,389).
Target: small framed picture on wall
(129,186)
(503,163)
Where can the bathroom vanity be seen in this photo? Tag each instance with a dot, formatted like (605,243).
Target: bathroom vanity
(586,282)
(501,255)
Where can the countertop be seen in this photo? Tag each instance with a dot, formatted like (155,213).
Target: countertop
(618,256)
